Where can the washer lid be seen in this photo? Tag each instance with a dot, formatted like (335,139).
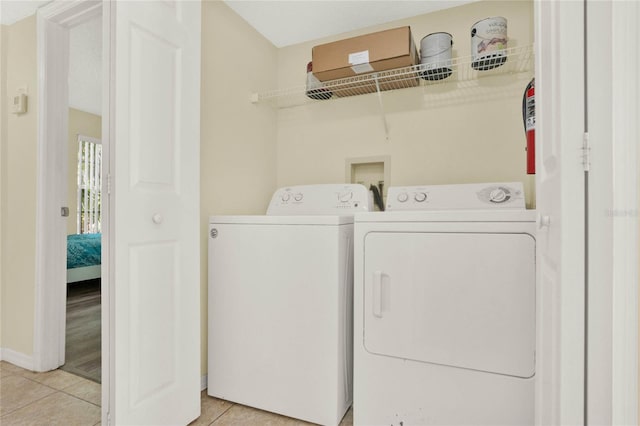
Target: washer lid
(282,220)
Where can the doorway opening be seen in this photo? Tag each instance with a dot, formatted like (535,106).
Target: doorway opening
(84,201)
(84,249)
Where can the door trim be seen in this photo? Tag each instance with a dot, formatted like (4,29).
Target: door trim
(50,290)
(559,57)
(108,252)
(53,23)
(625,210)
(614,212)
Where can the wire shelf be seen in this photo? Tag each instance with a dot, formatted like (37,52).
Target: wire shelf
(460,69)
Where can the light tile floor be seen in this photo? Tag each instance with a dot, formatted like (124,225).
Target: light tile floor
(60,398)
(52,398)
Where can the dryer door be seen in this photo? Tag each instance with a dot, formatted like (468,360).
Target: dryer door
(457,299)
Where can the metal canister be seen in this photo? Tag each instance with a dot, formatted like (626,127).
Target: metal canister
(489,43)
(435,56)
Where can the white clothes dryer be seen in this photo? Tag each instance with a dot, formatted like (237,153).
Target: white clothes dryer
(281,303)
(445,308)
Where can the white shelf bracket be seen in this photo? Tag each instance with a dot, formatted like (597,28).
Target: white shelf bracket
(382,113)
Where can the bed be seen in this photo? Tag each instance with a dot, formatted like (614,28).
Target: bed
(84,252)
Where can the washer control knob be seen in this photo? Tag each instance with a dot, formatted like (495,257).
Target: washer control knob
(498,195)
(403,197)
(286,197)
(420,197)
(345,196)
(298,196)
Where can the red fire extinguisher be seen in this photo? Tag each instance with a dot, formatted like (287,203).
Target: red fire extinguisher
(529,118)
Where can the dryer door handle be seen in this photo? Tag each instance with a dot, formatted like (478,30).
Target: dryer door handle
(377,294)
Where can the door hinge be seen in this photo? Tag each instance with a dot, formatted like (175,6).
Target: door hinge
(586,152)
(109,419)
(108,183)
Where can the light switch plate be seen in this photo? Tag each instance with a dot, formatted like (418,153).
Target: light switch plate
(19,104)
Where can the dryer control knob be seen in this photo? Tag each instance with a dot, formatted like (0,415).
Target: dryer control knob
(498,195)
(286,196)
(345,196)
(298,196)
(420,197)
(403,197)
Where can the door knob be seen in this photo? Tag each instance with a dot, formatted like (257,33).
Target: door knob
(157,218)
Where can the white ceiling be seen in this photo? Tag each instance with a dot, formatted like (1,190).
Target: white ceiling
(290,22)
(85,66)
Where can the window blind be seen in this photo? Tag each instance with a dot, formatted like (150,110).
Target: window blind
(89,212)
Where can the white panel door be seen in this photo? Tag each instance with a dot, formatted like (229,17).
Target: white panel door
(455,299)
(560,185)
(155,289)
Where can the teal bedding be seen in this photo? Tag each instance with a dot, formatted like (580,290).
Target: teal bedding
(83,250)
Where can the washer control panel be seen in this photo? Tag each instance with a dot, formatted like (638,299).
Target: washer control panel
(457,197)
(324,199)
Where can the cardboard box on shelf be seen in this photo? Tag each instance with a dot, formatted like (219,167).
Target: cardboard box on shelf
(380,51)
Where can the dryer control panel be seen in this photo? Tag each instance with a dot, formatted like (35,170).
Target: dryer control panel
(474,196)
(325,199)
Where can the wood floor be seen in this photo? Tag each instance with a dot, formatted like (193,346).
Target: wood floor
(83,350)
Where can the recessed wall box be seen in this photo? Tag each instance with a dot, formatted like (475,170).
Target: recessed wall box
(369,171)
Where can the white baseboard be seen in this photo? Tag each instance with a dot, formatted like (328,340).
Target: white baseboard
(26,362)
(18,358)
(203,382)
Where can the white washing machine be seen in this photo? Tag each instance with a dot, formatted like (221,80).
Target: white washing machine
(281,303)
(445,308)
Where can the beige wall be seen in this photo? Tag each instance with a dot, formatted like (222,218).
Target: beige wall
(238,152)
(238,139)
(438,135)
(248,150)
(19,191)
(86,124)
